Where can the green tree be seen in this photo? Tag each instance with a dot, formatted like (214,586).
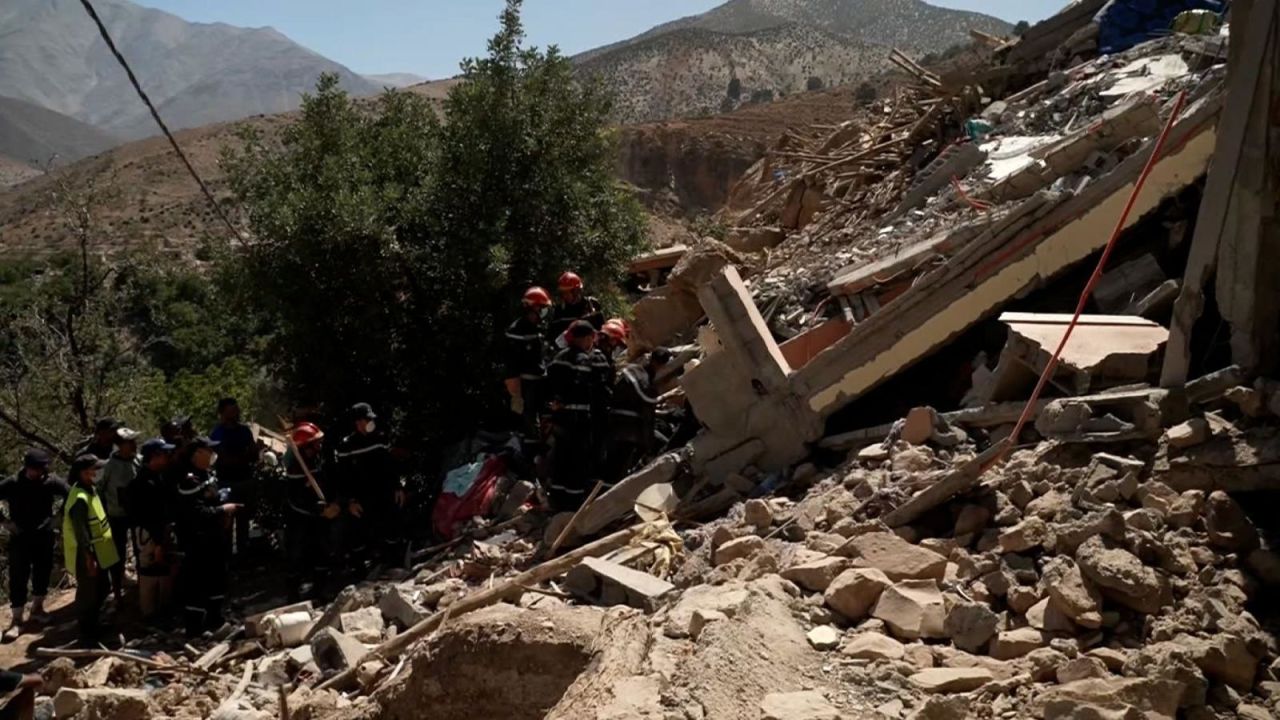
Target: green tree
(734,91)
(814,83)
(1022,27)
(390,247)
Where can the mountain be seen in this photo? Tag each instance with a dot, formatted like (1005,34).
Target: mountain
(396,80)
(13,172)
(773,48)
(33,135)
(51,55)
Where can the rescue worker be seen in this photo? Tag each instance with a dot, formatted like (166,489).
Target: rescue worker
(203,519)
(152,502)
(103,440)
(631,418)
(575,304)
(376,493)
(30,494)
(578,380)
(88,548)
(613,343)
(19,693)
(238,456)
(525,356)
(113,484)
(312,513)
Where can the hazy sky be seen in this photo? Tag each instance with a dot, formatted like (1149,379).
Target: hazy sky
(429,37)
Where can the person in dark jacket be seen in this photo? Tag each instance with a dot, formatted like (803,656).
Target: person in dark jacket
(525,342)
(312,514)
(103,440)
(238,456)
(203,519)
(113,484)
(631,418)
(579,384)
(89,552)
(374,490)
(30,494)
(22,689)
(575,304)
(152,501)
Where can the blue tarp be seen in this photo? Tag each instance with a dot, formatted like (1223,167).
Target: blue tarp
(1125,23)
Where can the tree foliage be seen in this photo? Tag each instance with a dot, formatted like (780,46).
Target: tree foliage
(814,83)
(391,245)
(1022,27)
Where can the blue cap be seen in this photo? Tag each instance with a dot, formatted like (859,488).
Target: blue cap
(156,445)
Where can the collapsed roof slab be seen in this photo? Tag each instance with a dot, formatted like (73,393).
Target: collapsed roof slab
(1104,350)
(1047,235)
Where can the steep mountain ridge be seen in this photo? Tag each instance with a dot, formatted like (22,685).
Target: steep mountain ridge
(34,135)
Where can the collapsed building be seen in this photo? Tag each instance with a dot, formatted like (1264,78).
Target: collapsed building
(840,540)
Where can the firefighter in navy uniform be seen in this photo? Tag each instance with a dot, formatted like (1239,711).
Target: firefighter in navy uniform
(203,521)
(375,492)
(312,515)
(525,342)
(575,304)
(579,384)
(632,438)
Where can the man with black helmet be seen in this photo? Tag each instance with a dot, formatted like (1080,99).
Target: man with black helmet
(579,384)
(631,417)
(375,491)
(30,495)
(203,521)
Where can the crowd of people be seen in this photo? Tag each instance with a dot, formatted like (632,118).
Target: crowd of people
(179,507)
(583,418)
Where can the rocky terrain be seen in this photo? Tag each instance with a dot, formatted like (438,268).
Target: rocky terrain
(36,136)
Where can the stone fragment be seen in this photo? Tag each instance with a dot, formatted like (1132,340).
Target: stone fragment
(741,548)
(970,626)
(724,600)
(1022,598)
(398,606)
(803,705)
(874,454)
(1082,668)
(757,514)
(912,459)
(334,651)
(1246,711)
(1104,523)
(1223,657)
(364,625)
(701,618)
(1188,434)
(1012,644)
(895,557)
(824,637)
(1111,657)
(102,704)
(1187,509)
(1144,519)
(1043,663)
(854,592)
(1173,662)
(873,646)
(1075,710)
(912,609)
(1153,697)
(1046,615)
(1027,535)
(609,583)
(1076,597)
(1228,526)
(816,575)
(918,425)
(1122,576)
(972,519)
(951,680)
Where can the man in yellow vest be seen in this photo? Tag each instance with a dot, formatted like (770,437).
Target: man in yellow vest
(88,547)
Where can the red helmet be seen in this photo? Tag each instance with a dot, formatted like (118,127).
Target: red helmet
(537,297)
(616,329)
(570,281)
(305,433)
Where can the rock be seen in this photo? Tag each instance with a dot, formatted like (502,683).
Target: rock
(1173,662)
(102,704)
(895,557)
(701,618)
(1122,576)
(1188,434)
(1082,668)
(741,548)
(610,583)
(1228,526)
(854,592)
(364,625)
(972,519)
(1155,698)
(817,575)
(873,646)
(913,459)
(398,606)
(943,707)
(970,626)
(1022,598)
(59,673)
(728,601)
(1144,519)
(1114,659)
(368,672)
(1043,663)
(334,651)
(1012,644)
(873,454)
(757,514)
(951,680)
(912,609)
(1026,535)
(1105,523)
(1223,657)
(919,425)
(1253,712)
(1074,710)
(824,637)
(1047,616)
(804,705)
(1076,597)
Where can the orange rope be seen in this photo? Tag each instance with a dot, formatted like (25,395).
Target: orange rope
(1093,280)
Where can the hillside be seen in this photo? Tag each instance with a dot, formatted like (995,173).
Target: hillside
(773,48)
(396,80)
(13,172)
(34,135)
(51,55)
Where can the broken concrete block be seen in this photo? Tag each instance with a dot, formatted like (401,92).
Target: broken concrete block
(951,680)
(1224,657)
(334,651)
(102,704)
(1013,644)
(1082,668)
(873,646)
(895,557)
(1228,526)
(874,454)
(757,514)
(364,625)
(1122,577)
(1152,697)
(817,575)
(918,426)
(701,618)
(609,583)
(397,607)
(1076,597)
(971,625)
(913,609)
(1027,535)
(728,601)
(804,705)
(1188,434)
(824,637)
(854,592)
(743,547)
